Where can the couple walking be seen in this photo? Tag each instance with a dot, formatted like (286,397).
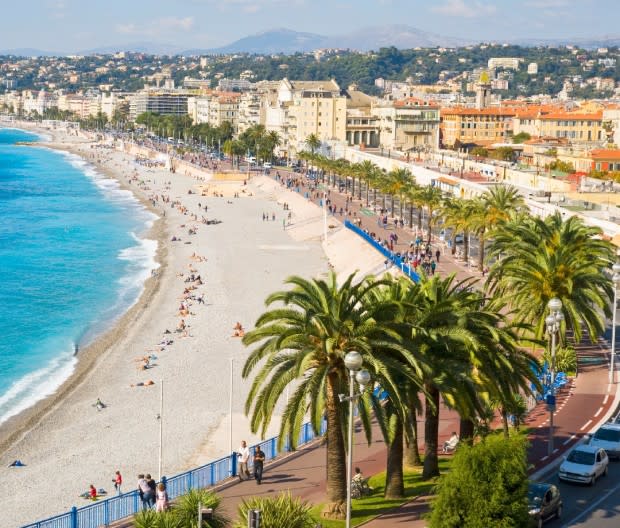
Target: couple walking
(152,494)
(258,462)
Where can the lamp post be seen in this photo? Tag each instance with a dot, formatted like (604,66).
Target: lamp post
(553,322)
(353,362)
(616,280)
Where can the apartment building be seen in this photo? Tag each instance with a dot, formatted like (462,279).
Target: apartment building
(362,125)
(408,124)
(166,102)
(470,126)
(577,127)
(215,108)
(302,108)
(250,111)
(37,102)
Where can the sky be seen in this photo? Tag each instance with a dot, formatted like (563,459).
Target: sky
(76,25)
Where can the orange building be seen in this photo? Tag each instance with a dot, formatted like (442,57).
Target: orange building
(478,127)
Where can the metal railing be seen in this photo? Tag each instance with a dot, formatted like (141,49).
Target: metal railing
(102,513)
(406,268)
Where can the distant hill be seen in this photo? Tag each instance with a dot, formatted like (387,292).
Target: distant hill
(31,52)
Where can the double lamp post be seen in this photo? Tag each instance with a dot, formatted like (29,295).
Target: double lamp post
(353,362)
(553,323)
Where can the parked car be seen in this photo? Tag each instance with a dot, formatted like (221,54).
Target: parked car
(267,165)
(585,464)
(608,437)
(544,502)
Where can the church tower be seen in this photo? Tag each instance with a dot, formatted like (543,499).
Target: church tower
(483,91)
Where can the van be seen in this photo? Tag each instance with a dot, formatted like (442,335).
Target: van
(250,159)
(608,438)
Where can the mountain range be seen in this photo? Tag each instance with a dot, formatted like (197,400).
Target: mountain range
(287,41)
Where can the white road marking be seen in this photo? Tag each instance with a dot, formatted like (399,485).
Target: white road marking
(566,442)
(591,507)
(585,425)
(600,410)
(605,399)
(544,458)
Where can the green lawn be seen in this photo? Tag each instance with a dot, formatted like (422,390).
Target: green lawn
(369,507)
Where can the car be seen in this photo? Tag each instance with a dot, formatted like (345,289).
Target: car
(544,502)
(584,464)
(267,165)
(608,438)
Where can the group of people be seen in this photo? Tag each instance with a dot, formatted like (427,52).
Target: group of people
(258,461)
(152,494)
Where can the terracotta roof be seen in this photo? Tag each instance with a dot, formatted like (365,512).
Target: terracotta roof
(605,154)
(415,102)
(574,116)
(475,111)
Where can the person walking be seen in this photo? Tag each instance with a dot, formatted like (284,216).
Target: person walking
(161,503)
(259,460)
(244,455)
(150,482)
(118,480)
(437,255)
(143,491)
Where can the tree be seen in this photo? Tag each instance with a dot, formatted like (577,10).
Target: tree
(521,137)
(562,166)
(479,152)
(304,339)
(313,143)
(538,259)
(487,486)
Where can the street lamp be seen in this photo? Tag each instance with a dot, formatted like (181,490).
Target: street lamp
(616,280)
(553,322)
(353,362)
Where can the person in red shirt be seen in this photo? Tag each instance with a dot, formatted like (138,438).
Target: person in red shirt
(92,492)
(118,480)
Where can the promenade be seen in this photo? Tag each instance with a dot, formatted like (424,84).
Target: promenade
(581,407)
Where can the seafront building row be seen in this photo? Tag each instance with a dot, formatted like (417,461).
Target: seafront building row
(404,121)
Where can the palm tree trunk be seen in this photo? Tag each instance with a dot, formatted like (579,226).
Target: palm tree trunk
(420,219)
(353,187)
(481,256)
(394,483)
(505,423)
(430,225)
(412,453)
(392,206)
(410,215)
(466,428)
(400,203)
(431,433)
(466,246)
(336,455)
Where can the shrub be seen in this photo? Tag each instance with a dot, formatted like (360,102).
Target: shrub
(185,508)
(565,359)
(282,511)
(487,486)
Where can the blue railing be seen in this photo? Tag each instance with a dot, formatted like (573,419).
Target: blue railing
(390,255)
(111,509)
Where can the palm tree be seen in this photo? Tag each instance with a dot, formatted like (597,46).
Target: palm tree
(366,172)
(396,183)
(457,214)
(431,198)
(304,339)
(495,206)
(313,142)
(542,259)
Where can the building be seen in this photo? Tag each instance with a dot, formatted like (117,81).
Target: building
(508,63)
(215,108)
(576,127)
(304,108)
(251,111)
(472,126)
(409,124)
(165,102)
(532,68)
(605,159)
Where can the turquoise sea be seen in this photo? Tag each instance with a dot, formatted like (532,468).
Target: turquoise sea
(72,260)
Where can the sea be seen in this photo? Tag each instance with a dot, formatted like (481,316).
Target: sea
(73,258)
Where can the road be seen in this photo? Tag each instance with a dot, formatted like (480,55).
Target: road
(595,506)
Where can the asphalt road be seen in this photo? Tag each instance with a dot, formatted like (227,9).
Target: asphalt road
(595,506)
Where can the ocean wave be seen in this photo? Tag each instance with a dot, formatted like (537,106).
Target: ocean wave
(36,385)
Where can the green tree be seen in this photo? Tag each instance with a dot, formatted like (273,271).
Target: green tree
(538,259)
(313,142)
(521,137)
(281,511)
(304,339)
(487,486)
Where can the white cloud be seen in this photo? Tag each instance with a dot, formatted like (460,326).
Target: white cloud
(57,8)
(460,8)
(156,27)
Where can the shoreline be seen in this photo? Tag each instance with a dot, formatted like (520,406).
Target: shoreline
(247,259)
(17,427)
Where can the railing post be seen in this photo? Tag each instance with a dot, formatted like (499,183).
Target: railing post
(212,474)
(106,512)
(233,465)
(273,447)
(190,480)
(74,517)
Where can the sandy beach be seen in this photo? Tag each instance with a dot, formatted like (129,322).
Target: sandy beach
(65,442)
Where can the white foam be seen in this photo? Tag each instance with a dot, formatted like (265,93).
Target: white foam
(36,385)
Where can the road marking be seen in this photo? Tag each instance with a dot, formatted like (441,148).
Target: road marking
(555,451)
(569,440)
(544,458)
(591,507)
(605,399)
(600,410)
(585,425)
(609,388)
(541,425)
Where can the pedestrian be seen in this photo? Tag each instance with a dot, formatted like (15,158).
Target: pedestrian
(152,489)
(284,223)
(243,455)
(92,492)
(161,504)
(273,216)
(259,460)
(437,255)
(118,480)
(433,266)
(143,490)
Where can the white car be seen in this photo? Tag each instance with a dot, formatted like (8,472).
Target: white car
(584,464)
(608,438)
(267,165)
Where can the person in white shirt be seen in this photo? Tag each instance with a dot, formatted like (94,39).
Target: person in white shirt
(451,443)
(243,455)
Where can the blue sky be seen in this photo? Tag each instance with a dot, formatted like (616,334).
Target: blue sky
(72,25)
